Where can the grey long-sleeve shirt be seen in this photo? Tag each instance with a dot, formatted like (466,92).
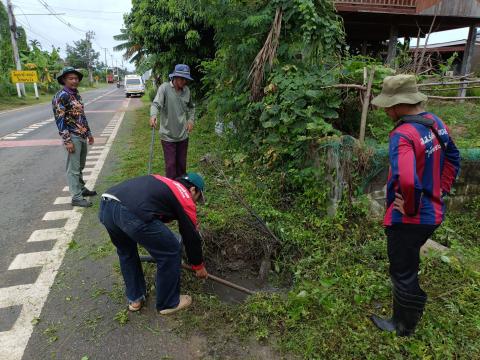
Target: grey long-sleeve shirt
(175,109)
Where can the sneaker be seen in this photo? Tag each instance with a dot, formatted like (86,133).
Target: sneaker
(185,301)
(87,192)
(81,203)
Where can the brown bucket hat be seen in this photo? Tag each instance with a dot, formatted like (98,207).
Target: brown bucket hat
(399,89)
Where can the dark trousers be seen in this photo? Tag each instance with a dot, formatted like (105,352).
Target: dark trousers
(175,154)
(126,230)
(404,243)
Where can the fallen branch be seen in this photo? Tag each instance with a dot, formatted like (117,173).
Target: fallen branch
(453,88)
(346,86)
(450,83)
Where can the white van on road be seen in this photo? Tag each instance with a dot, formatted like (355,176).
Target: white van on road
(134,85)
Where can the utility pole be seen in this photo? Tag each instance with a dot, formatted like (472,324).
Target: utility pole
(13,36)
(106,65)
(113,68)
(90,35)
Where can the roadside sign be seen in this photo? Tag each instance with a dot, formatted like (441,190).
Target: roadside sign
(19,76)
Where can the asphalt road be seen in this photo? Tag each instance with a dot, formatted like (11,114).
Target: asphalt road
(32,185)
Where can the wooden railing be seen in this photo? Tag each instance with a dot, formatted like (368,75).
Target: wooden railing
(394,3)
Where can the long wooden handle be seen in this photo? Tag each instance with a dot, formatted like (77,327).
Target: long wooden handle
(149,259)
(224,282)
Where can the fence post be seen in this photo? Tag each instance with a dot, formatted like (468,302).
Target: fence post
(366,104)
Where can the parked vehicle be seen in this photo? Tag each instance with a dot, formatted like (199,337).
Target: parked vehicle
(134,85)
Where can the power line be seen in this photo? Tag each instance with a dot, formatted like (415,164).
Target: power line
(62,20)
(79,10)
(38,34)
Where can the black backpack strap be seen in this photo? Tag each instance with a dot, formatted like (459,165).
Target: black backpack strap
(419,119)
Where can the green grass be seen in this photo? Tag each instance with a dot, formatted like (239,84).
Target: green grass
(337,266)
(13,102)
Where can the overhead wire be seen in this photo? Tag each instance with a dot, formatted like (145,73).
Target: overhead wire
(38,34)
(45,5)
(59,18)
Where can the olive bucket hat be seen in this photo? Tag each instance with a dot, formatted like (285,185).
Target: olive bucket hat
(399,89)
(68,70)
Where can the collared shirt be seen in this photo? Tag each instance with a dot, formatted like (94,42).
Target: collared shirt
(421,172)
(69,114)
(176,110)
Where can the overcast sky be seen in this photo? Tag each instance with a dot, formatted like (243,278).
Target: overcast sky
(105,18)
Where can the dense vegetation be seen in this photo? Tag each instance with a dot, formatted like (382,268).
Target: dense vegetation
(286,138)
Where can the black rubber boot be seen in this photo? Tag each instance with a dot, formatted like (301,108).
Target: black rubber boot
(409,309)
(384,324)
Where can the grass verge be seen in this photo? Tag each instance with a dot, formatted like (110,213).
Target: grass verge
(338,266)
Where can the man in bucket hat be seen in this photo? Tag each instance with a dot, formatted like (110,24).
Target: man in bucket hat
(177,110)
(424,163)
(72,124)
(136,212)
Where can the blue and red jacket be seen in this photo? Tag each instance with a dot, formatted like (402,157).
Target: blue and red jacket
(421,171)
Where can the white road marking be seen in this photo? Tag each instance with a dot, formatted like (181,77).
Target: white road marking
(48,121)
(28,260)
(46,234)
(12,137)
(90,163)
(57,215)
(12,295)
(32,297)
(66,188)
(93,157)
(62,200)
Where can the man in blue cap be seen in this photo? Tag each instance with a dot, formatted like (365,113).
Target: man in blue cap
(72,124)
(174,104)
(136,212)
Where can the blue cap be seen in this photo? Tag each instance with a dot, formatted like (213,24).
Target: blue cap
(181,70)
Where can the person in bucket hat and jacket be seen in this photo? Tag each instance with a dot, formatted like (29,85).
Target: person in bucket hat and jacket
(136,211)
(424,163)
(69,113)
(174,103)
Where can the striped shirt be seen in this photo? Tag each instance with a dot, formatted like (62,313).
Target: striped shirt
(421,172)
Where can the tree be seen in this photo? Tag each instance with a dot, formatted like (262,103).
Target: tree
(35,44)
(80,54)
(134,52)
(47,64)
(6,54)
(170,32)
